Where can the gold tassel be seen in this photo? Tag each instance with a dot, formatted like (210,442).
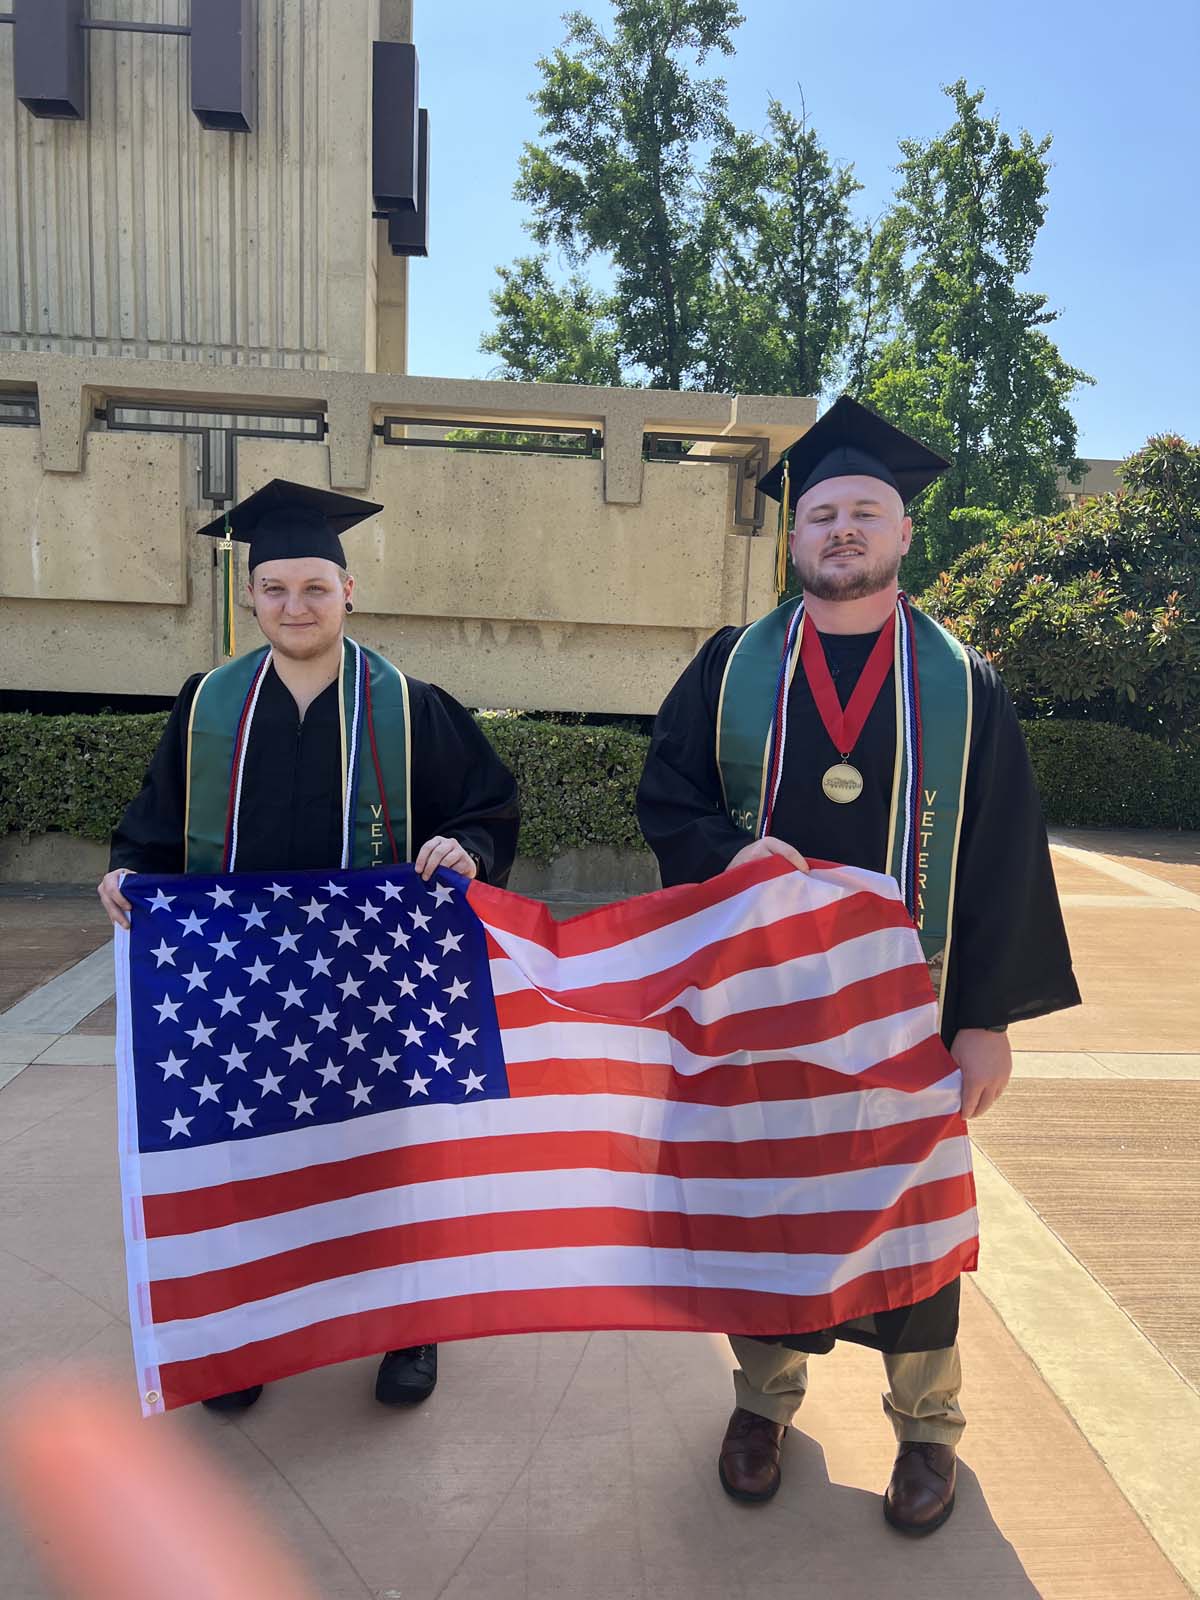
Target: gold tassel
(226,549)
(781,536)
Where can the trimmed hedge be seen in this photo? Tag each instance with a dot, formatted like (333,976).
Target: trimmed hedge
(75,774)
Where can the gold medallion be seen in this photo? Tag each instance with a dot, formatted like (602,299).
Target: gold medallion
(842,783)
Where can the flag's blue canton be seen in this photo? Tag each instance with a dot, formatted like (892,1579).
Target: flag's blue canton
(268,1002)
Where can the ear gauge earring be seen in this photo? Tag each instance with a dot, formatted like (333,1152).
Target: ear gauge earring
(349,605)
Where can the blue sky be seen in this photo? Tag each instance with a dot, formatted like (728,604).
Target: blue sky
(1117,86)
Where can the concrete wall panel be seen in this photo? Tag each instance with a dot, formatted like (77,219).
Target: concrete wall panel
(115,532)
(467,534)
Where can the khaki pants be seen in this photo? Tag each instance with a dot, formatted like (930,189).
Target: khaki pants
(921,1403)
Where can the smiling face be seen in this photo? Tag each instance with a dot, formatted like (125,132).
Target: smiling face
(300,604)
(850,536)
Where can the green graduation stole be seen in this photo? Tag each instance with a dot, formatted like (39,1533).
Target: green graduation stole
(376,808)
(932,679)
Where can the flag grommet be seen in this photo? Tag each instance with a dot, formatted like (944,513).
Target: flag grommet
(152,1397)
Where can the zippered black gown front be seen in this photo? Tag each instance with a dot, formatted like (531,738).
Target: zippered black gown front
(1009,955)
(291,814)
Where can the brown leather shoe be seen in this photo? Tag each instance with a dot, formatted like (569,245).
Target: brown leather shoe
(749,1463)
(920,1496)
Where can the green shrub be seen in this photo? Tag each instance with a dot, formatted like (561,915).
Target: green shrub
(1094,614)
(1093,774)
(75,774)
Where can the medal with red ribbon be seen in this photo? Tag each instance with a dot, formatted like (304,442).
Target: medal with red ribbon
(844,782)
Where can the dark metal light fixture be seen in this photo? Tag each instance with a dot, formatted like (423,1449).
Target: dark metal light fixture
(394,129)
(408,231)
(50,61)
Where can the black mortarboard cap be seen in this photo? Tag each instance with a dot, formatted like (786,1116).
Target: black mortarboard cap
(851,441)
(283,521)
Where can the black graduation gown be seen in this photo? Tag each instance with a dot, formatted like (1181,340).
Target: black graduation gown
(291,814)
(1009,956)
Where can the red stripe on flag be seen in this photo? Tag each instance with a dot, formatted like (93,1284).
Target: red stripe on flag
(806,934)
(194,1210)
(478,1316)
(778,1027)
(825,1233)
(600,930)
(912,1070)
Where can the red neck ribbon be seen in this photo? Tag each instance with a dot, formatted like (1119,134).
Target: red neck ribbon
(845,727)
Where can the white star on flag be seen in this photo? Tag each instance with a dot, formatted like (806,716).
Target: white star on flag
(161,901)
(224,946)
(345,934)
(173,1066)
(196,978)
(254,918)
(332,889)
(464,1036)
(369,912)
(354,1039)
(381,1011)
(192,923)
(242,1115)
(349,986)
(418,919)
(412,1034)
(258,972)
(220,897)
(457,990)
(386,1062)
(315,910)
(265,1027)
(178,1123)
(168,1009)
(417,1084)
(231,1002)
(441,1061)
(165,952)
(235,1060)
(448,942)
(291,996)
(303,1104)
(269,1082)
(330,1074)
(287,940)
(279,891)
(361,1094)
(200,1035)
(207,1091)
(325,1019)
(319,964)
(297,1050)
(441,893)
(377,961)
(405,985)
(434,1015)
(426,968)
(472,1081)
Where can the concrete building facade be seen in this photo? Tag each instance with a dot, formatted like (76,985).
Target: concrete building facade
(186,313)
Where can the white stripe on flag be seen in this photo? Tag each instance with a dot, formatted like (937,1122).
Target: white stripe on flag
(563,1268)
(171,1171)
(696,937)
(492,1194)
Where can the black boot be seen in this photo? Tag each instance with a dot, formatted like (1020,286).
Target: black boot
(406,1377)
(239,1400)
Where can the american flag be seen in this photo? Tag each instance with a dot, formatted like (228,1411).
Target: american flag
(359,1112)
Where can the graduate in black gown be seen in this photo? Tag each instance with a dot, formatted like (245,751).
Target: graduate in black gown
(1008,957)
(460,799)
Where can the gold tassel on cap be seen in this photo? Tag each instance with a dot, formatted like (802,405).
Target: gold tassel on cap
(226,565)
(781,536)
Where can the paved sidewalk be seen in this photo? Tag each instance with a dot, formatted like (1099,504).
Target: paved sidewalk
(585,1464)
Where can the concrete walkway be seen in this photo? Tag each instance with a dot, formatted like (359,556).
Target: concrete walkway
(584,1464)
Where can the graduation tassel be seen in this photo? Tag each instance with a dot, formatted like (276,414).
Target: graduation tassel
(781,537)
(226,549)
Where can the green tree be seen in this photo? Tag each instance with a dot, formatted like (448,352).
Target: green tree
(789,256)
(548,334)
(626,120)
(1094,613)
(960,355)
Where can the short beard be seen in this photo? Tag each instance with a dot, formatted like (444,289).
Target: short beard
(828,584)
